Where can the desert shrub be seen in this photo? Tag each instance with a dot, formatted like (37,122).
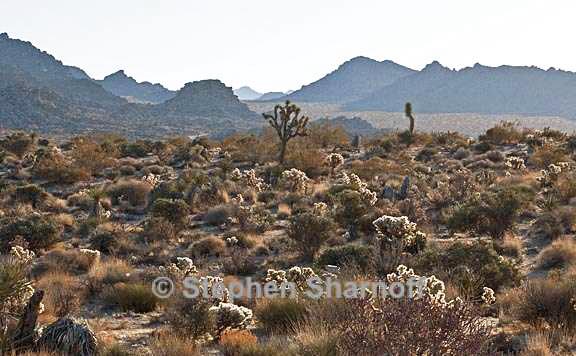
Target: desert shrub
(550,300)
(138,298)
(309,231)
(208,246)
(69,261)
(510,247)
(91,156)
(426,154)
(29,194)
(169,345)
(108,273)
(267,196)
(191,317)
(351,207)
(38,231)
(127,170)
(549,226)
(218,215)
(280,315)
(62,294)
(18,143)
(547,155)
(492,213)
(232,342)
(478,259)
(503,133)
(137,149)
(107,241)
(168,190)
(175,211)
(561,253)
(306,160)
(352,255)
(482,147)
(159,229)
(133,191)
(409,327)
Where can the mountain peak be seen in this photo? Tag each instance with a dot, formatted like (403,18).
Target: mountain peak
(247,93)
(434,66)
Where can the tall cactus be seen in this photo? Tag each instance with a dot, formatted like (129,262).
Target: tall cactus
(410,116)
(288,124)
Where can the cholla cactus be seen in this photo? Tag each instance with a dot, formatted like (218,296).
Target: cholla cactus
(299,276)
(152,179)
(320,209)
(249,179)
(183,267)
(488,295)
(515,163)
(358,185)
(231,241)
(296,179)
(21,254)
(397,229)
(93,255)
(432,289)
(550,175)
(231,316)
(69,337)
(333,160)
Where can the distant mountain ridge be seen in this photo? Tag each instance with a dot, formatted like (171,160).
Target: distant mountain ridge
(353,80)
(478,89)
(39,92)
(122,85)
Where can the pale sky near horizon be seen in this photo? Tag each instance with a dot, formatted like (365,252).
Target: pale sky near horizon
(276,46)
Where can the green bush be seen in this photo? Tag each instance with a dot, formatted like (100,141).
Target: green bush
(280,315)
(478,259)
(492,213)
(191,318)
(29,194)
(138,298)
(175,211)
(353,255)
(38,231)
(309,231)
(135,192)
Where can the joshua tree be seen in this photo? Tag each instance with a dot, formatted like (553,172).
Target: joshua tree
(408,113)
(288,124)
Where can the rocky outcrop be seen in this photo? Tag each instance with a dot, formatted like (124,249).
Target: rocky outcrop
(127,87)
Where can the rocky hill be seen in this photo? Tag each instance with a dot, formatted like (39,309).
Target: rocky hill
(122,85)
(206,98)
(353,80)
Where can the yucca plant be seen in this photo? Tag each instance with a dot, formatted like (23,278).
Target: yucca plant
(69,336)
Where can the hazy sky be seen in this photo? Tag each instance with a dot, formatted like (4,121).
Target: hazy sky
(279,45)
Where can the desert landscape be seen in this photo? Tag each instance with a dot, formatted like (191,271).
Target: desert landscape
(357,206)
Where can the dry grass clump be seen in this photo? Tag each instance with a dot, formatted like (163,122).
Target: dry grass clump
(280,315)
(561,253)
(549,301)
(69,261)
(234,342)
(109,272)
(169,345)
(134,297)
(63,294)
